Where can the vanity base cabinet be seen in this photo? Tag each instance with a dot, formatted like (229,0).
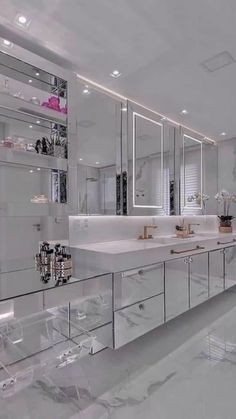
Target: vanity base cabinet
(230,266)
(198,279)
(176,287)
(138,284)
(138,319)
(216,272)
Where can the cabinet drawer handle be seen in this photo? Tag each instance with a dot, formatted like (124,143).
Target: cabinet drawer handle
(141,271)
(231,241)
(178,252)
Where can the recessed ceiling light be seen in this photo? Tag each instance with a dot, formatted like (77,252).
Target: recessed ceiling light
(115,74)
(37,73)
(38,168)
(30,126)
(86,91)
(81,159)
(38,121)
(184,112)
(22,20)
(7,43)
(30,80)
(31,171)
(97,162)
(223,134)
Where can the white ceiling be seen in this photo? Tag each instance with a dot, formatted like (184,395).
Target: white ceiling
(158,45)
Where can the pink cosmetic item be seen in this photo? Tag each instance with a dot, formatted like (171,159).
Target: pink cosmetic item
(64,110)
(8,142)
(53,103)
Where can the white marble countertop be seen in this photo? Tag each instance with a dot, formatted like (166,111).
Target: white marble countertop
(132,245)
(120,255)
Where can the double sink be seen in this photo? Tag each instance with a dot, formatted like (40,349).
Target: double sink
(120,255)
(174,240)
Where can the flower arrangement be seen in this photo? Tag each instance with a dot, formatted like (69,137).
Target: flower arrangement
(200,198)
(225,199)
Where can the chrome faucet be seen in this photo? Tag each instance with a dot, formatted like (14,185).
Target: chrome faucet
(145,235)
(190,231)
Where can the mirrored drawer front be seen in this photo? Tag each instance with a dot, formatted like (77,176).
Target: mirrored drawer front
(91,312)
(136,320)
(137,284)
(78,291)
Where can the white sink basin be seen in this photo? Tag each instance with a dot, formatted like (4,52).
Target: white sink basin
(165,240)
(170,240)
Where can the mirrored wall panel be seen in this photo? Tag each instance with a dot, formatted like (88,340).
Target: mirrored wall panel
(99,139)
(150,162)
(33,140)
(191,175)
(198,175)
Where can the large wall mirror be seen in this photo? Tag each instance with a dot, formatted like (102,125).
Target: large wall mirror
(150,162)
(131,161)
(191,175)
(99,146)
(198,176)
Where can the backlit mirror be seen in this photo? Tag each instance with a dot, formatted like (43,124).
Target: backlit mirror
(150,162)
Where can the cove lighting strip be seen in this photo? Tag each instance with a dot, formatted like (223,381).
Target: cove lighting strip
(122,97)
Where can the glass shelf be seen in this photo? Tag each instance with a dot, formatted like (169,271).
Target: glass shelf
(21,209)
(27,108)
(32,346)
(32,159)
(32,191)
(19,70)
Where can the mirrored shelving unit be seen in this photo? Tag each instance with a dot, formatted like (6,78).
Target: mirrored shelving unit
(33,140)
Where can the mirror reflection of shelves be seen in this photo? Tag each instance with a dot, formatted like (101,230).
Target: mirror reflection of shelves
(33,140)
(18,104)
(20,157)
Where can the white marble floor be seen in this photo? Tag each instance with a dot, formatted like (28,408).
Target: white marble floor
(183,370)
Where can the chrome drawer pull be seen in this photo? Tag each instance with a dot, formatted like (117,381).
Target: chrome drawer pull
(178,252)
(141,271)
(231,241)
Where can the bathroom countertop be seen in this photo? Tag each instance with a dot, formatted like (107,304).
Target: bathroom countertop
(120,255)
(132,245)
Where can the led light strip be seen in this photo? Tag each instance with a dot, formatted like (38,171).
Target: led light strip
(122,97)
